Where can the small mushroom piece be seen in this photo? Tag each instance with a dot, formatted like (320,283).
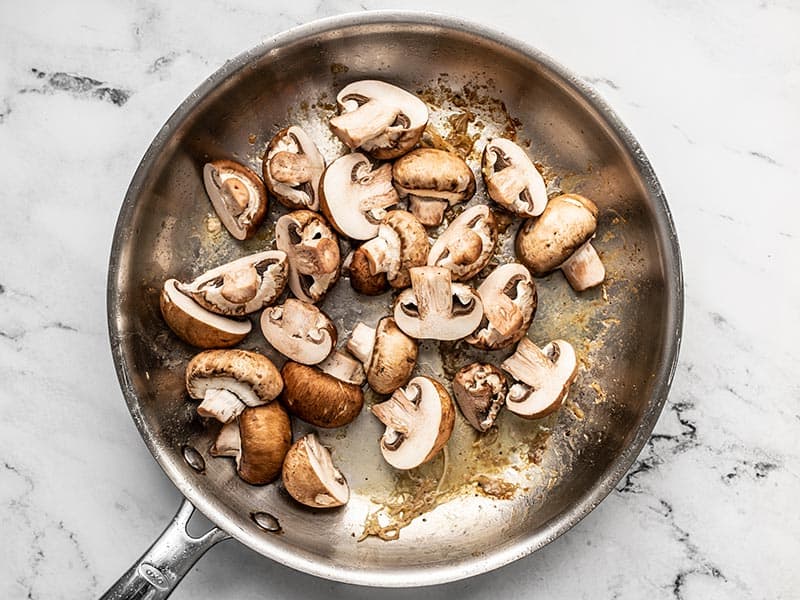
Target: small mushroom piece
(299,330)
(543,377)
(467,245)
(356,267)
(228,381)
(435,308)
(512,180)
(432,180)
(402,243)
(197,326)
(388,354)
(561,239)
(238,196)
(509,301)
(313,252)
(381,119)
(480,391)
(292,169)
(354,195)
(419,420)
(328,395)
(310,476)
(259,441)
(241,287)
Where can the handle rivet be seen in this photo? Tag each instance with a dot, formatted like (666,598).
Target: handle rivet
(266,521)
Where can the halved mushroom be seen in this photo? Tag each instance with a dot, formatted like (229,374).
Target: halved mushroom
(561,239)
(228,381)
(467,245)
(310,476)
(238,196)
(242,286)
(543,377)
(402,243)
(419,420)
(512,180)
(299,330)
(259,441)
(328,395)
(388,354)
(194,324)
(313,252)
(435,308)
(354,195)
(509,301)
(480,391)
(383,120)
(292,169)
(433,180)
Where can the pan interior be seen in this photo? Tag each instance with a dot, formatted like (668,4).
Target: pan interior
(624,332)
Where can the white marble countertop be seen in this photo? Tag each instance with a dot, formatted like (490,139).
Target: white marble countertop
(712,92)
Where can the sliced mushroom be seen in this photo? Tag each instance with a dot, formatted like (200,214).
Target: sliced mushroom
(543,377)
(561,239)
(467,245)
(241,287)
(356,267)
(512,180)
(328,395)
(310,476)
(292,169)
(381,119)
(402,243)
(419,420)
(313,252)
(228,381)
(197,326)
(299,330)
(433,180)
(238,196)
(388,354)
(509,301)
(435,308)
(480,391)
(259,441)
(354,195)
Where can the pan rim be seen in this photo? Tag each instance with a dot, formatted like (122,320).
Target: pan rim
(416,576)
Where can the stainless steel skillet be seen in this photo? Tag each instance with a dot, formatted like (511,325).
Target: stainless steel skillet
(480,84)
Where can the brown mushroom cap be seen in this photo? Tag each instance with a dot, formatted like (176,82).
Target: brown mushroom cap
(292,169)
(480,391)
(238,196)
(468,243)
(319,398)
(388,354)
(266,435)
(544,243)
(197,326)
(310,476)
(250,376)
(361,279)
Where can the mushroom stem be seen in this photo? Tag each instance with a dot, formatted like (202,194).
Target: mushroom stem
(506,183)
(397,413)
(240,286)
(221,405)
(343,368)
(428,211)
(433,289)
(362,343)
(364,123)
(376,251)
(466,249)
(290,168)
(530,365)
(228,442)
(317,257)
(584,269)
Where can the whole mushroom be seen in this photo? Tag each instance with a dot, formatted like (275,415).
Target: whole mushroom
(561,239)
(509,301)
(388,354)
(238,196)
(312,249)
(543,377)
(401,243)
(480,391)
(512,180)
(328,395)
(468,243)
(381,119)
(419,420)
(228,381)
(310,476)
(292,169)
(299,330)
(356,266)
(433,180)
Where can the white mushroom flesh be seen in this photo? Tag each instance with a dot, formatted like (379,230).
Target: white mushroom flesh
(512,180)
(384,252)
(584,269)
(234,197)
(221,404)
(344,368)
(467,245)
(362,343)
(228,442)
(298,180)
(508,296)
(319,457)
(299,331)
(313,254)
(194,310)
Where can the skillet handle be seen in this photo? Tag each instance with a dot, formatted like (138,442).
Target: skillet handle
(159,570)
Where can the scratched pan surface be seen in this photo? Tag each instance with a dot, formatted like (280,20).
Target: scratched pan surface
(491,499)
